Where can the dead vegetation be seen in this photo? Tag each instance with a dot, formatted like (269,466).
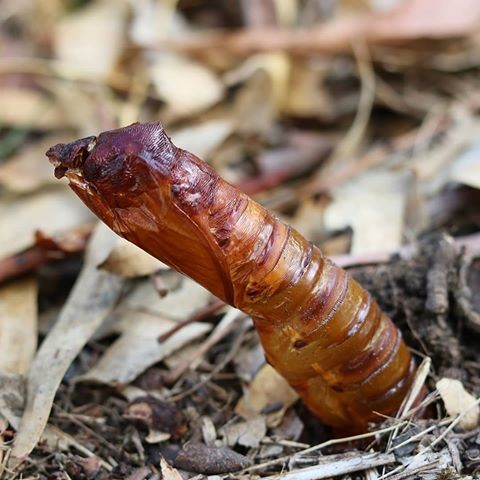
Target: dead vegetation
(355,121)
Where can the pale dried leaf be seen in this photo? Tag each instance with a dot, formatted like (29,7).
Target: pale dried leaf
(28,108)
(94,295)
(308,219)
(209,433)
(93,112)
(267,388)
(254,108)
(18,325)
(185,297)
(248,433)
(275,64)
(91,38)
(307,95)
(432,168)
(27,170)
(372,204)
(202,139)
(466,169)
(249,361)
(183,355)
(186,86)
(129,261)
(169,472)
(286,11)
(139,347)
(457,400)
(51,212)
(154,21)
(12,398)
(131,393)
(155,436)
(291,427)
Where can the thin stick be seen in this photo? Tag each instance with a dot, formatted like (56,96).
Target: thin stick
(332,468)
(221,330)
(228,358)
(203,313)
(452,425)
(328,443)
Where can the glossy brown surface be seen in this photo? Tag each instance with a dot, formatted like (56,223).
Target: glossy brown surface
(319,328)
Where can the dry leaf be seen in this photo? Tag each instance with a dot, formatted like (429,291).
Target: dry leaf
(91,38)
(433,166)
(168,472)
(308,219)
(254,108)
(51,212)
(186,86)
(185,297)
(457,401)
(372,204)
(466,169)
(93,112)
(291,427)
(138,347)
(12,398)
(308,96)
(268,388)
(18,325)
(27,170)
(129,261)
(28,108)
(202,139)
(164,420)
(209,433)
(154,21)
(249,361)
(94,295)
(275,64)
(247,433)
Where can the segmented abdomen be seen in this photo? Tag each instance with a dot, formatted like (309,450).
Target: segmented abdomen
(320,329)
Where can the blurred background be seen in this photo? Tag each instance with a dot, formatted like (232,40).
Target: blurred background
(354,119)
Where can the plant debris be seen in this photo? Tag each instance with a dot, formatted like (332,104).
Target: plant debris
(356,121)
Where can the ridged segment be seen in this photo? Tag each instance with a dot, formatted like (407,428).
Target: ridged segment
(320,328)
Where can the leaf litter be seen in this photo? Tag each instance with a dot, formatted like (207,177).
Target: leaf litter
(356,121)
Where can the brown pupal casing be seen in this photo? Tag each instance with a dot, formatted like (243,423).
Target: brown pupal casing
(320,329)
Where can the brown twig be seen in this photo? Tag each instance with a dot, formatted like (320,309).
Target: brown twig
(198,316)
(223,328)
(46,249)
